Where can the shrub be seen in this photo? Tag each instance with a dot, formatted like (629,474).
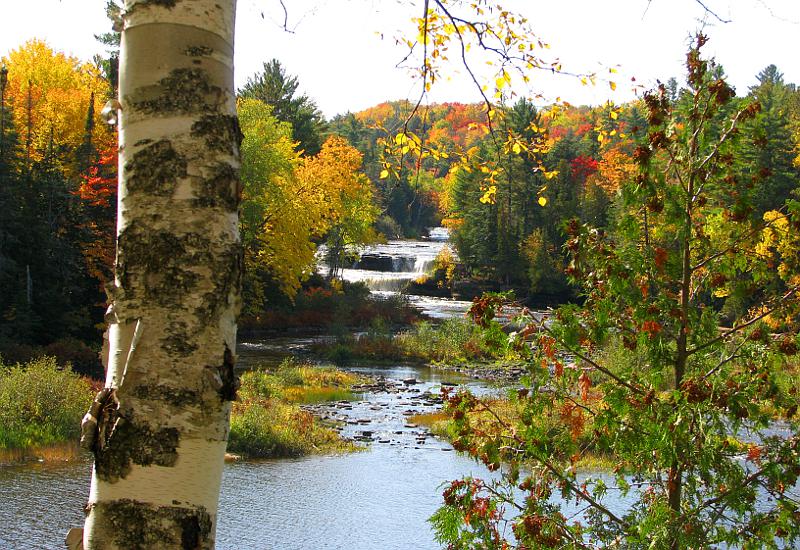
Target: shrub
(41,404)
(266,421)
(270,429)
(452,340)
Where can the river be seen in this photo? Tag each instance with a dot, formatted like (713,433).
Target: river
(380,498)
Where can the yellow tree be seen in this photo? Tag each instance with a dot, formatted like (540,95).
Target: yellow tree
(290,204)
(276,227)
(613,169)
(339,184)
(50,95)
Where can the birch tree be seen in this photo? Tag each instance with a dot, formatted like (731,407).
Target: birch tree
(158,429)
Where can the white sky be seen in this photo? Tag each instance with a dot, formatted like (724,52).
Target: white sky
(342,62)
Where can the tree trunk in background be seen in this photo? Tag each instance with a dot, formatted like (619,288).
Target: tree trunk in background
(159,429)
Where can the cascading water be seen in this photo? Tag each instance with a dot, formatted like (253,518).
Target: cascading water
(388,268)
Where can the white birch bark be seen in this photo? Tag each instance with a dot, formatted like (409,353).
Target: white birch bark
(162,425)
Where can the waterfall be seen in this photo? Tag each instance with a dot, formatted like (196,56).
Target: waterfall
(388,268)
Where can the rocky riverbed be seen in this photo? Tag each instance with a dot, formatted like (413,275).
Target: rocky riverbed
(381,417)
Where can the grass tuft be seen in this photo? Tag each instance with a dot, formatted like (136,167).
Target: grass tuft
(267,421)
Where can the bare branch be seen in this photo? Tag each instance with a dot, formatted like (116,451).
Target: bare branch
(285,18)
(712,12)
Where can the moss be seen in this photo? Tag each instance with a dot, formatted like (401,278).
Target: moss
(219,131)
(184,91)
(125,442)
(155,169)
(138,525)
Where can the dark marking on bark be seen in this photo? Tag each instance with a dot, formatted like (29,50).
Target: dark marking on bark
(184,91)
(138,525)
(169,4)
(230,381)
(178,339)
(130,442)
(222,189)
(156,265)
(155,169)
(143,142)
(221,132)
(178,344)
(228,269)
(198,51)
(177,397)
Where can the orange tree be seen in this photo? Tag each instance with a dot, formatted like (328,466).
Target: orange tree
(642,373)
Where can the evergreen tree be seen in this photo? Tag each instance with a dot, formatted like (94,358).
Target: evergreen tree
(766,168)
(278,89)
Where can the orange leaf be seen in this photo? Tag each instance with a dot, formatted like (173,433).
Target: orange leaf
(584,383)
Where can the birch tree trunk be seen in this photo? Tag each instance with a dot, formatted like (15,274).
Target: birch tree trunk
(159,429)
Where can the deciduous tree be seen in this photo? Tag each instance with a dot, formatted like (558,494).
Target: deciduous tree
(642,373)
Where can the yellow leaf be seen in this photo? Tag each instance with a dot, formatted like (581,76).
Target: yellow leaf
(542,201)
(614,115)
(384,174)
(613,85)
(516,148)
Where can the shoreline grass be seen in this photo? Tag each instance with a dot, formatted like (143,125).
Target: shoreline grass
(268,422)
(67,451)
(452,341)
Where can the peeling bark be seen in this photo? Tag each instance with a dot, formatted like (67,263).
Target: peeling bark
(159,429)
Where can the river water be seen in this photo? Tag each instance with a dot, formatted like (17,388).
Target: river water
(376,499)
(379,498)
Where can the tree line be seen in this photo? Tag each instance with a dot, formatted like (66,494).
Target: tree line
(508,226)
(59,188)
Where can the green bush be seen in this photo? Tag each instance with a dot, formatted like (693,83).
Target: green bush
(266,421)
(450,341)
(40,404)
(269,430)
